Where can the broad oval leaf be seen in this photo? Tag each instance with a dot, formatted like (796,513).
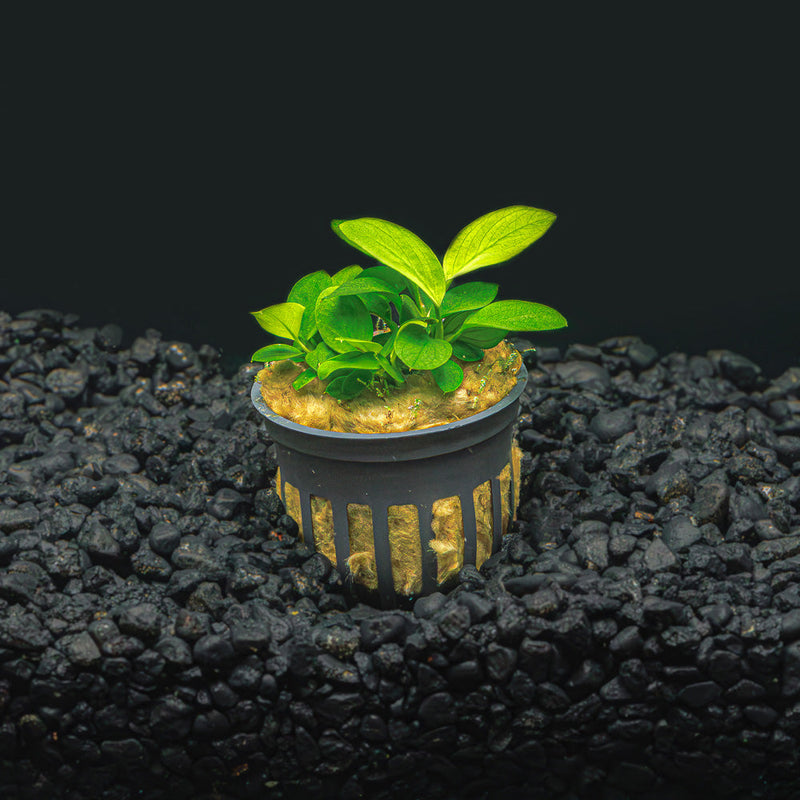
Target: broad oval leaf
(448,376)
(483,338)
(495,237)
(306,376)
(376,304)
(276,352)
(319,354)
(468,297)
(345,274)
(353,360)
(282,319)
(347,386)
(452,324)
(374,292)
(516,315)
(417,350)
(362,285)
(308,288)
(340,318)
(387,274)
(398,248)
(467,352)
(391,369)
(363,345)
(306,291)
(410,309)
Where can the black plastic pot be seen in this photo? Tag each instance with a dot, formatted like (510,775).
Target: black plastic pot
(384,469)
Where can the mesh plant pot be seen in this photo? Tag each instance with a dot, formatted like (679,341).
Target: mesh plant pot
(399,514)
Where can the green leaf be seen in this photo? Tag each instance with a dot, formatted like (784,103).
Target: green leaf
(484,338)
(448,376)
(355,359)
(386,340)
(391,369)
(364,346)
(340,318)
(398,248)
(345,274)
(361,285)
(306,291)
(276,352)
(281,320)
(453,323)
(319,354)
(418,351)
(468,296)
(346,387)
(516,315)
(308,288)
(306,376)
(376,304)
(374,293)
(410,309)
(468,352)
(387,274)
(495,237)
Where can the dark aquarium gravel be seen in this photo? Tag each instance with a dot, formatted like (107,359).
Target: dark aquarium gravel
(163,634)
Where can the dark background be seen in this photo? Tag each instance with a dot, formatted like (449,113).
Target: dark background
(179,172)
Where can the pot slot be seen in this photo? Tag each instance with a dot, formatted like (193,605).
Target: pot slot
(418,560)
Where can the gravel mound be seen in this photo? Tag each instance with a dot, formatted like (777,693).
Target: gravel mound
(164,635)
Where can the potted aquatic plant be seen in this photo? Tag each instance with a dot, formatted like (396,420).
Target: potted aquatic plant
(391,398)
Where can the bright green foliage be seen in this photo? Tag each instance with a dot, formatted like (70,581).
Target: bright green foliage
(371,327)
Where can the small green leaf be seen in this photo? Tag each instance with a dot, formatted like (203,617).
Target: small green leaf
(276,352)
(376,304)
(306,376)
(306,291)
(387,274)
(467,352)
(319,354)
(374,293)
(410,309)
(417,350)
(468,297)
(355,359)
(452,324)
(361,285)
(345,274)
(386,340)
(495,237)
(516,315)
(346,387)
(364,346)
(342,317)
(281,320)
(448,376)
(398,248)
(391,369)
(483,338)
(308,288)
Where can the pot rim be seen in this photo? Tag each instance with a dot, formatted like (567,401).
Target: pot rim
(395,436)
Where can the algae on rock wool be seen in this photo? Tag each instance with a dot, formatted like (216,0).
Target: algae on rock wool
(447,530)
(416,404)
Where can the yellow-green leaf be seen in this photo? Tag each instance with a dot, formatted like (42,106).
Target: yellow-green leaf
(398,248)
(515,315)
(276,352)
(495,237)
(417,350)
(282,319)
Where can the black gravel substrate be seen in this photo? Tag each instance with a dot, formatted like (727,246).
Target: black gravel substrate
(164,635)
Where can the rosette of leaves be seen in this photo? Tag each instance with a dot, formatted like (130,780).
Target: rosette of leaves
(371,327)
